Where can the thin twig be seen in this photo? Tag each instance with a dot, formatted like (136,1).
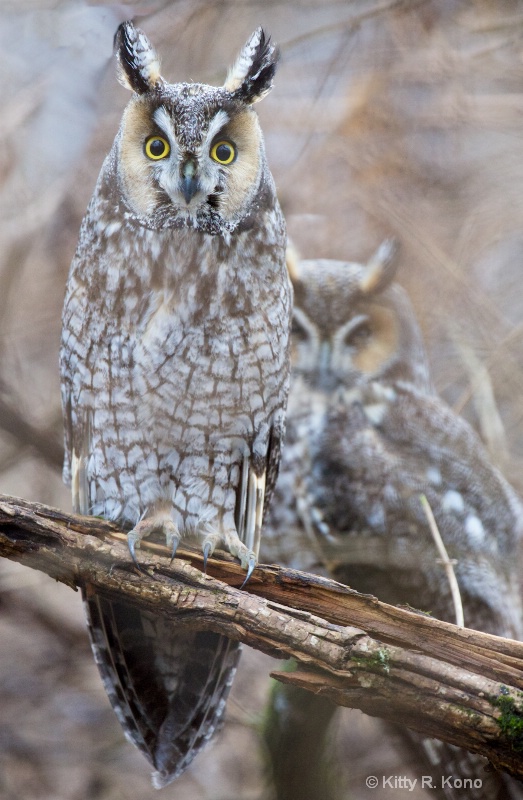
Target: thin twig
(446,561)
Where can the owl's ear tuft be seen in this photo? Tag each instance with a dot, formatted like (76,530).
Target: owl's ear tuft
(250,78)
(292,260)
(138,66)
(381,268)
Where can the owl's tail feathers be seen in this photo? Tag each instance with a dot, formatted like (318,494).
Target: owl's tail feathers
(167,687)
(199,712)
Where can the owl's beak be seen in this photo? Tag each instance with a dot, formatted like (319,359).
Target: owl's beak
(190,182)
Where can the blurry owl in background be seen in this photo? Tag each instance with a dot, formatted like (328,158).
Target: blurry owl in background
(368,438)
(175,368)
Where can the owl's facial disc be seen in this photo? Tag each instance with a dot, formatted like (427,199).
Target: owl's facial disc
(190,174)
(179,168)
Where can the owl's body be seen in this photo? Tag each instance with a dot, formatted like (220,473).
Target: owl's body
(421,449)
(368,437)
(178,375)
(174,359)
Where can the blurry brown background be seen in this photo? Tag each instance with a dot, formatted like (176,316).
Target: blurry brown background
(401,118)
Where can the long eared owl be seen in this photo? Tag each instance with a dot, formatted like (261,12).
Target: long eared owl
(367,437)
(174,365)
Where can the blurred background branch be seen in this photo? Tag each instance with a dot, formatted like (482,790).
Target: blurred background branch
(44,443)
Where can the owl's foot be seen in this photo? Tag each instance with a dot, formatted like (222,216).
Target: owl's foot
(231,542)
(145,527)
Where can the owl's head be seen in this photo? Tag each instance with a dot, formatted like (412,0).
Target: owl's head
(188,154)
(352,324)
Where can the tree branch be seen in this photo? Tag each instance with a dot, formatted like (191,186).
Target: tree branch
(458,685)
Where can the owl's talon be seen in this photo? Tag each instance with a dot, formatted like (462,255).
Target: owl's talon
(207,551)
(133,541)
(172,540)
(251,564)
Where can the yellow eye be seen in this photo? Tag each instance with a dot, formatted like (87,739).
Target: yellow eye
(223,152)
(156,147)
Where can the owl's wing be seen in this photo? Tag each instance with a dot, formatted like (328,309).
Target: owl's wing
(374,464)
(273,461)
(285,540)
(77,432)
(256,485)
(67,412)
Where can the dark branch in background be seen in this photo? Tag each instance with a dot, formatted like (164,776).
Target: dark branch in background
(458,685)
(44,443)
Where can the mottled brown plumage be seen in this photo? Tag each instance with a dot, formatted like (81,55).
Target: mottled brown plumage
(367,436)
(174,365)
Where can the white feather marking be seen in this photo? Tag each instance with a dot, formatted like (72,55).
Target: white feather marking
(250,516)
(75,475)
(164,121)
(434,476)
(453,501)
(149,61)
(474,530)
(243,63)
(260,502)
(375,413)
(244,485)
(217,123)
(80,496)
(254,512)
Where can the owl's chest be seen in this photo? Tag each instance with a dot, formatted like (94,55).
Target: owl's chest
(199,336)
(200,345)
(179,365)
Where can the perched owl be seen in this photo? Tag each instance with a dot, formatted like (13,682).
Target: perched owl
(174,366)
(367,437)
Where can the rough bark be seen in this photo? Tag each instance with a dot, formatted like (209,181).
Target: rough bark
(458,685)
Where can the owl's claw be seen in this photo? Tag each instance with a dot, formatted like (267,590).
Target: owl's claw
(133,540)
(172,540)
(207,551)
(251,564)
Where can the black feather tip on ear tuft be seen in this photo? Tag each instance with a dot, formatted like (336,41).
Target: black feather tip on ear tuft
(252,75)
(138,64)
